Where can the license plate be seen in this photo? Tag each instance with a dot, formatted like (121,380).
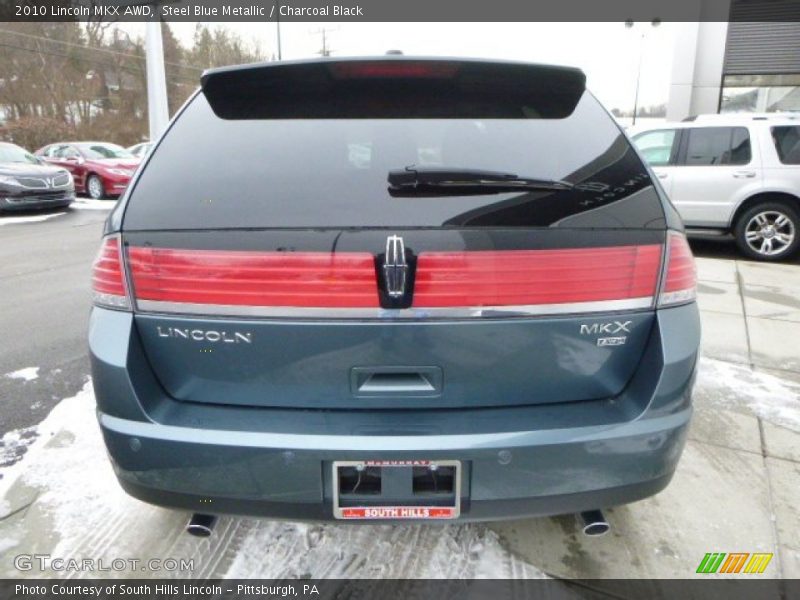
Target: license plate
(424,510)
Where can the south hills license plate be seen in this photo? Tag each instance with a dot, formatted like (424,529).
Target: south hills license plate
(374,506)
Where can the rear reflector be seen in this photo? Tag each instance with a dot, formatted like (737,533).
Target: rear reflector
(108,279)
(533,277)
(243,278)
(680,281)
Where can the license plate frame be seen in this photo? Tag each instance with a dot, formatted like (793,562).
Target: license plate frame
(400,512)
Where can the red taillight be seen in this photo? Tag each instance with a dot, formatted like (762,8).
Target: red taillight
(242,278)
(394,69)
(530,277)
(108,278)
(680,280)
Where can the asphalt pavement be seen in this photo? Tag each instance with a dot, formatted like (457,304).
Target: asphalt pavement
(44,308)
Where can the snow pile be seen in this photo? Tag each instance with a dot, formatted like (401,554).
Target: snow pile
(67,463)
(730,385)
(26,374)
(79,510)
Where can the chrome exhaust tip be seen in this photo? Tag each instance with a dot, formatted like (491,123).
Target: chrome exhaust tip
(201,525)
(594,523)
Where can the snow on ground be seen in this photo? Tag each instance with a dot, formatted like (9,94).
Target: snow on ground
(14,444)
(26,374)
(731,385)
(276,550)
(89,204)
(6,544)
(28,219)
(81,503)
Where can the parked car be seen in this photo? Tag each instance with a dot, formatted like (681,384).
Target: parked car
(141,150)
(26,182)
(99,169)
(737,174)
(388,289)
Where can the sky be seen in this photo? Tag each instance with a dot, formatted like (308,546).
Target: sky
(608,53)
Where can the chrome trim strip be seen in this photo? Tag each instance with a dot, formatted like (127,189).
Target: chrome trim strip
(662,272)
(126,269)
(455,312)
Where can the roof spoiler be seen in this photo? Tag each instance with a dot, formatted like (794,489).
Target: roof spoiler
(393,87)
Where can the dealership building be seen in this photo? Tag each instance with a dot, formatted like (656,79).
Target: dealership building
(749,64)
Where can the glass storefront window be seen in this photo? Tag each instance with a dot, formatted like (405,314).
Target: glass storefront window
(760,93)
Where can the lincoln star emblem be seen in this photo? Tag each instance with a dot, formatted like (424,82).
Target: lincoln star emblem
(395,268)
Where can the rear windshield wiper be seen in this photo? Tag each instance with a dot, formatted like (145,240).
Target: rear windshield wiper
(453,181)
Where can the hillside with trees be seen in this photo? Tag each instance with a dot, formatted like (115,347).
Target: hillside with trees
(88,81)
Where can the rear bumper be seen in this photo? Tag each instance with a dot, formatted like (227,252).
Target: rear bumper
(522,461)
(507,475)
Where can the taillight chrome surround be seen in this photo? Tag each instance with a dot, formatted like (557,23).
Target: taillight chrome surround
(679,281)
(109,282)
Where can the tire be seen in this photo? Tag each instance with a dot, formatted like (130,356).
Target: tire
(768,231)
(95,188)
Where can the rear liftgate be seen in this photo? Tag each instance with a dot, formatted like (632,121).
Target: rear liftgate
(380,302)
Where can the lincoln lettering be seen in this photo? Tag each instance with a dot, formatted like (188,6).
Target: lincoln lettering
(205,335)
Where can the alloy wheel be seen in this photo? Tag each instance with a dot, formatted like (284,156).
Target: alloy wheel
(95,188)
(769,232)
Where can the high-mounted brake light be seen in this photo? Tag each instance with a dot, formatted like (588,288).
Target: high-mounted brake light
(393,69)
(680,280)
(108,279)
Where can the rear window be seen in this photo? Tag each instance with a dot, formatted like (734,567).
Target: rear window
(787,143)
(211,172)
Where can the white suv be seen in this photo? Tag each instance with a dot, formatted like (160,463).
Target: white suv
(732,173)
